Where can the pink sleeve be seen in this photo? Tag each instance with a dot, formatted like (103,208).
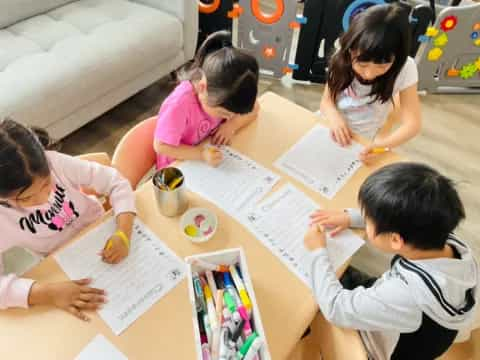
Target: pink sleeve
(171,123)
(103,179)
(14,291)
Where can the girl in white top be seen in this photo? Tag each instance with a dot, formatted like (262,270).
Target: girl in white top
(370,68)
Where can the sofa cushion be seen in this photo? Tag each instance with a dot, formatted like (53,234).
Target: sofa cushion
(54,64)
(12,11)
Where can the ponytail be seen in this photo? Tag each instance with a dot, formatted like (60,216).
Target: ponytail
(232,74)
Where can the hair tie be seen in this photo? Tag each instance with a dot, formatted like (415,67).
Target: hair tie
(227,43)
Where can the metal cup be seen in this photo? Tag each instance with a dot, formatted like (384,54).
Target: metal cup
(171,201)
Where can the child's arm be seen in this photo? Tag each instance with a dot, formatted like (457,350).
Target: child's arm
(410,113)
(71,296)
(387,306)
(338,220)
(210,155)
(107,181)
(227,130)
(340,131)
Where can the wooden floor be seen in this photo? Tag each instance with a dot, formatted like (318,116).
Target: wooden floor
(450,142)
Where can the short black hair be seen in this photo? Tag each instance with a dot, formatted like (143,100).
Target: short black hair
(414,201)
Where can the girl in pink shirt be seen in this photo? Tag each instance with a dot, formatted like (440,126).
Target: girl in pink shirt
(42,207)
(217,97)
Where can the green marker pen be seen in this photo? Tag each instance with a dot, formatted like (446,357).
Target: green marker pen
(246,346)
(229,302)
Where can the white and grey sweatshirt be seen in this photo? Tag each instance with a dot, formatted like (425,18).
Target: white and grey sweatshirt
(413,311)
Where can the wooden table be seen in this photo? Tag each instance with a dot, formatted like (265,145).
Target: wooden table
(165,331)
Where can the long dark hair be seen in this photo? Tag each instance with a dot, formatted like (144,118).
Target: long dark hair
(231,73)
(22,156)
(380,34)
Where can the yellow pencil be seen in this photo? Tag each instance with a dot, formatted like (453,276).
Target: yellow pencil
(379,150)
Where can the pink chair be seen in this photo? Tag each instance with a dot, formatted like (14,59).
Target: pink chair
(134,156)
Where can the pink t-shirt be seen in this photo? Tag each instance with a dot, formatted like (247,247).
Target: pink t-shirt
(182,121)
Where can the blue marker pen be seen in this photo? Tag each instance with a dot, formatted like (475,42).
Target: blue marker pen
(231,289)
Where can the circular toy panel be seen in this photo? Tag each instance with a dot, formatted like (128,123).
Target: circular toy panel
(355,8)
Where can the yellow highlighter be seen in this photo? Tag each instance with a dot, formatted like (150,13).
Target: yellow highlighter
(241,288)
(122,236)
(379,150)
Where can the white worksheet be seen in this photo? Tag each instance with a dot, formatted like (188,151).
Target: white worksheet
(149,272)
(234,186)
(320,163)
(280,223)
(100,349)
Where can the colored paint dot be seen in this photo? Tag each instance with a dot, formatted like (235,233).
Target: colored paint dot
(476,26)
(191,230)
(477,42)
(474,35)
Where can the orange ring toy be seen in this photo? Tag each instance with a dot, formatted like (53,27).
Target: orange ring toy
(208,8)
(268,18)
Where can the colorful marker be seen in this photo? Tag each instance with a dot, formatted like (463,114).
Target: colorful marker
(219,306)
(241,288)
(219,280)
(216,342)
(199,296)
(246,346)
(211,283)
(231,289)
(205,349)
(224,339)
(208,329)
(229,302)
(247,328)
(236,338)
(254,349)
(210,307)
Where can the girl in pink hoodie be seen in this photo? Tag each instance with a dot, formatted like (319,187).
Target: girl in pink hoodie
(42,207)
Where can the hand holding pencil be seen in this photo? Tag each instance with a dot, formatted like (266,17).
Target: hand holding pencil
(212,155)
(371,152)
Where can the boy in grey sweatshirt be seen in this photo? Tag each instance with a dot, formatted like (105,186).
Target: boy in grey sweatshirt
(415,310)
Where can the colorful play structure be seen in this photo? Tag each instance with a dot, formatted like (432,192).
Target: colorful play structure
(445,36)
(449,58)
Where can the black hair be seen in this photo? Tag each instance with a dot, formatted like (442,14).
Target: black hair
(414,201)
(380,34)
(232,74)
(22,156)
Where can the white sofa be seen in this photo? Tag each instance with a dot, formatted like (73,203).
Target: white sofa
(64,62)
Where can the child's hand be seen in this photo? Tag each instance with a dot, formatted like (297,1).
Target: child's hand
(116,249)
(315,238)
(337,219)
(224,133)
(371,152)
(72,296)
(212,156)
(340,132)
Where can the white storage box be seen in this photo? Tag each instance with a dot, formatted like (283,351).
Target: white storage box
(226,257)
